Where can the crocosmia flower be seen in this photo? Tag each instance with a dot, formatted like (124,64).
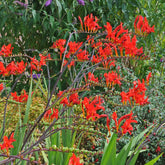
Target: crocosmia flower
(7,143)
(74,160)
(142,27)
(1,87)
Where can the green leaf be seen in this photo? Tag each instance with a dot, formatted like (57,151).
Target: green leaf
(69,15)
(133,160)
(59,8)
(123,154)
(34,15)
(153,161)
(67,155)
(51,20)
(138,137)
(109,4)
(109,155)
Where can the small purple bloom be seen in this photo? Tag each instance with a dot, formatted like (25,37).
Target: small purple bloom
(36,76)
(81,2)
(91,0)
(48,2)
(21,4)
(161,60)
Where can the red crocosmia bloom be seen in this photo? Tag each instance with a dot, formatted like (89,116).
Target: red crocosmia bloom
(126,127)
(71,63)
(63,99)
(55,114)
(42,59)
(148,78)
(130,47)
(137,94)
(73,99)
(115,35)
(91,77)
(92,107)
(15,97)
(2,69)
(59,44)
(112,78)
(73,46)
(90,41)
(82,56)
(96,59)
(7,143)
(49,115)
(6,50)
(21,67)
(36,65)
(142,27)
(74,160)
(90,23)
(22,98)
(124,97)
(11,68)
(1,87)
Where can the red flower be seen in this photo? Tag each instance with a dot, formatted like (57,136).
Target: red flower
(1,87)
(142,27)
(137,94)
(59,44)
(90,23)
(36,65)
(11,68)
(73,99)
(71,63)
(126,127)
(112,78)
(74,160)
(148,77)
(51,115)
(21,66)
(83,55)
(63,99)
(6,50)
(7,143)
(91,77)
(92,107)
(22,98)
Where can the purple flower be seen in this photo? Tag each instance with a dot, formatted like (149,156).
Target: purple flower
(21,4)
(81,2)
(91,0)
(48,2)
(36,76)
